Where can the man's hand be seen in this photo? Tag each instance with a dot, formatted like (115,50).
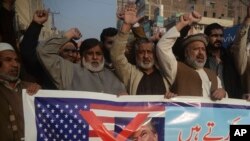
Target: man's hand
(73,33)
(156,36)
(120,13)
(184,21)
(33,88)
(169,95)
(246,97)
(121,94)
(130,14)
(194,17)
(218,94)
(41,16)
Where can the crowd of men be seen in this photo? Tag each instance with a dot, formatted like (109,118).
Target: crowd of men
(119,65)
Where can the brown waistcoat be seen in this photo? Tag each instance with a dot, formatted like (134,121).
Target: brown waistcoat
(189,83)
(11,99)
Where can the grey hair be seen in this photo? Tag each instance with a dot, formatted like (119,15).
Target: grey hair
(140,41)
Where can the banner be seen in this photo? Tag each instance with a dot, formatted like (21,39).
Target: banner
(229,35)
(89,116)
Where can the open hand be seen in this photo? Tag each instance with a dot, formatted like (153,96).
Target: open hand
(120,13)
(130,14)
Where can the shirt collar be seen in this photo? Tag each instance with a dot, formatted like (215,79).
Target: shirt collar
(7,84)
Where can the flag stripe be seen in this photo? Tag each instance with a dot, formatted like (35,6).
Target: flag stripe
(95,139)
(109,126)
(92,133)
(127,108)
(126,114)
(106,119)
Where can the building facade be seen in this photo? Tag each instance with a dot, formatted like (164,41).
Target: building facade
(25,10)
(234,10)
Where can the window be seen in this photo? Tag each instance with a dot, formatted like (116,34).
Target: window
(212,4)
(205,13)
(214,15)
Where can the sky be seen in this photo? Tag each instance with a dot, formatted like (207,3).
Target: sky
(90,16)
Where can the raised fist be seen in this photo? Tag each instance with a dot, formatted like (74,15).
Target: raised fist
(41,16)
(73,33)
(195,17)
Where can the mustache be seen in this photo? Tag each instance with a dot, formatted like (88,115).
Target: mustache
(220,42)
(146,60)
(95,62)
(14,70)
(201,56)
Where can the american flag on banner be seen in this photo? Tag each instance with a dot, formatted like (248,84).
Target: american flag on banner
(60,119)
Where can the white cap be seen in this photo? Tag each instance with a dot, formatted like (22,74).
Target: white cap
(5,46)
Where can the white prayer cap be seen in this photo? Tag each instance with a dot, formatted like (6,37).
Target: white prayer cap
(5,46)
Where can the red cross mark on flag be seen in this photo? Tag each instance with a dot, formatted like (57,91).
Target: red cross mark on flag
(107,135)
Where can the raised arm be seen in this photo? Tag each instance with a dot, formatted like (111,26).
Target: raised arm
(122,66)
(30,41)
(166,58)
(164,51)
(60,70)
(239,48)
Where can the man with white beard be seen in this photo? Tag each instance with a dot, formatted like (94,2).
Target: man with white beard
(90,75)
(144,77)
(188,78)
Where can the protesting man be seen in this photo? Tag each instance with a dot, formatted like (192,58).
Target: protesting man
(90,75)
(220,60)
(188,78)
(144,77)
(107,38)
(11,117)
(28,50)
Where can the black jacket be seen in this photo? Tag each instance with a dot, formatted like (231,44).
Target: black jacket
(29,57)
(231,78)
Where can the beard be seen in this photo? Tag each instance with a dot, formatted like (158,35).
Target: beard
(195,64)
(92,68)
(217,45)
(143,65)
(9,78)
